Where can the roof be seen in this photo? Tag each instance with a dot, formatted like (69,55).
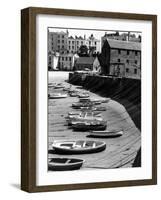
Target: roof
(70,37)
(79,37)
(85,60)
(58,32)
(119,44)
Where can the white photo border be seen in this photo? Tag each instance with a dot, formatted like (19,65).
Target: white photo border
(43,177)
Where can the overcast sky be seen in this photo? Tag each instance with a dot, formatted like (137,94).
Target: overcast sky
(79,32)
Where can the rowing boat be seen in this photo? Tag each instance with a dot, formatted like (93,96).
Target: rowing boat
(84,95)
(87,126)
(78,146)
(106,133)
(57,96)
(64,164)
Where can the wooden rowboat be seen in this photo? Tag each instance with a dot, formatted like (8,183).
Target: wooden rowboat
(64,164)
(57,96)
(87,126)
(73,94)
(106,133)
(78,146)
(59,86)
(79,105)
(85,95)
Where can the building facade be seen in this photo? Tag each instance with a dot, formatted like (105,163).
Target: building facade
(53,61)
(93,44)
(121,58)
(67,46)
(66,62)
(58,41)
(87,63)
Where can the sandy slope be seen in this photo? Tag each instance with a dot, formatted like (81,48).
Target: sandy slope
(120,152)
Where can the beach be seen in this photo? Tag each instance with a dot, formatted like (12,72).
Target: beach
(120,152)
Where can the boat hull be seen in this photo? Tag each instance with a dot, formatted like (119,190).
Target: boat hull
(65,164)
(105,134)
(82,150)
(58,97)
(83,127)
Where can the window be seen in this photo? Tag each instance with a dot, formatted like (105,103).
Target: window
(62,36)
(118,60)
(69,42)
(66,58)
(136,53)
(77,42)
(95,43)
(127,70)
(62,58)
(62,41)
(128,52)
(135,71)
(72,47)
(127,61)
(62,46)
(72,42)
(136,61)
(58,41)
(58,47)
(82,43)
(70,58)
(119,51)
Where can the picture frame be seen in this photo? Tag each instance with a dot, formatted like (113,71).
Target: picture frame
(29,98)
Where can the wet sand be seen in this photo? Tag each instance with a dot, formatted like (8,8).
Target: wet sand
(119,152)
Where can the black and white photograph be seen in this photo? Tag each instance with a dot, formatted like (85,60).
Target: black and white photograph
(94,98)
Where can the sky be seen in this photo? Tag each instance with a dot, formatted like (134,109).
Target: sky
(79,32)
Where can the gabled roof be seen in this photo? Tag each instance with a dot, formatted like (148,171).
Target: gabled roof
(79,37)
(85,60)
(119,44)
(70,37)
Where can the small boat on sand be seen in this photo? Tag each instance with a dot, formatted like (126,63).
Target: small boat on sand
(57,96)
(84,100)
(87,126)
(64,164)
(100,108)
(106,133)
(58,86)
(91,107)
(72,114)
(84,95)
(73,94)
(78,146)
(105,100)
(79,105)
(84,117)
(88,100)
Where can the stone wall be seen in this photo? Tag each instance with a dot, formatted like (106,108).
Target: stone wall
(124,90)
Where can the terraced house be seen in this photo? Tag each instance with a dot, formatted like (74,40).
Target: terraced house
(67,46)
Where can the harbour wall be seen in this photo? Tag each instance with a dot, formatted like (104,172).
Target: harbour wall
(126,91)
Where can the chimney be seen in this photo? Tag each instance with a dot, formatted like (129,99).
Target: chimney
(128,37)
